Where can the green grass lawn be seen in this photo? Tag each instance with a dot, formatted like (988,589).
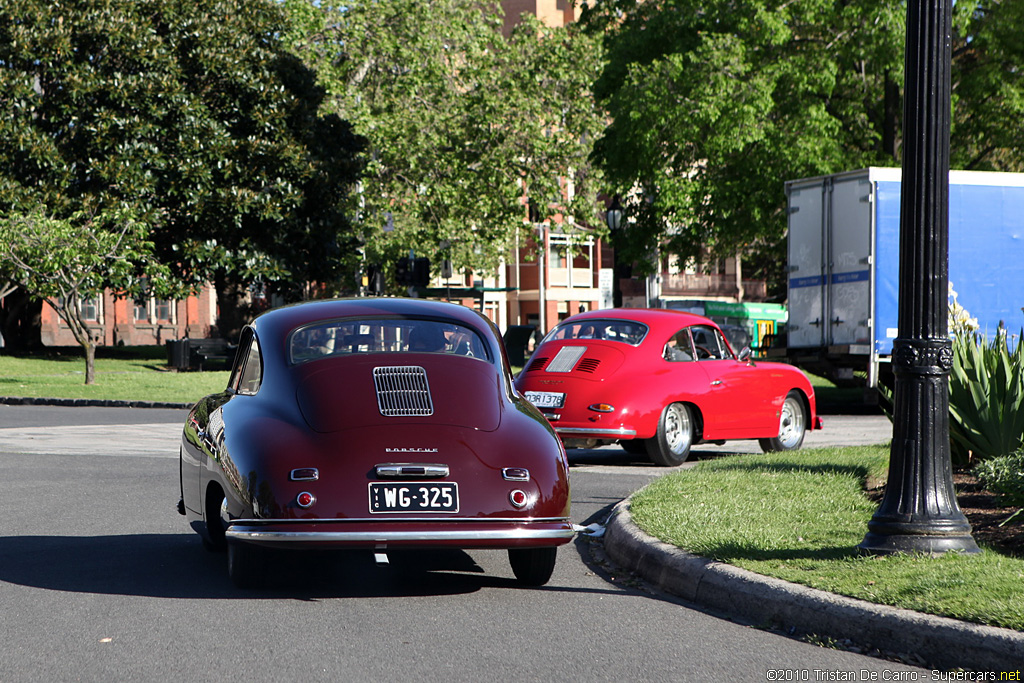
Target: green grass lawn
(128,374)
(799,517)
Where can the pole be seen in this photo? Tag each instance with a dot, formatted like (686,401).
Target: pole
(919,512)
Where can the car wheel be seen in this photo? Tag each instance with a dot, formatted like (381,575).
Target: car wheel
(216,525)
(792,426)
(671,445)
(532,566)
(246,565)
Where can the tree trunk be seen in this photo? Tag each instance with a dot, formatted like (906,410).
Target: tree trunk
(90,361)
(232,307)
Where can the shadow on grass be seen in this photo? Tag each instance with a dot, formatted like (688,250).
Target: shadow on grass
(860,472)
(731,551)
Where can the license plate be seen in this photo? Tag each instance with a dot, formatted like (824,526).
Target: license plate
(545,399)
(414,497)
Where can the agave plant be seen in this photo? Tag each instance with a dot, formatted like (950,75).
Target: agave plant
(986,397)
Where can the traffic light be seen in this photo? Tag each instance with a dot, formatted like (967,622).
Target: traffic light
(375,279)
(421,272)
(403,271)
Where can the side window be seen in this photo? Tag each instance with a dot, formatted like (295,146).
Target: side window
(708,343)
(248,371)
(679,349)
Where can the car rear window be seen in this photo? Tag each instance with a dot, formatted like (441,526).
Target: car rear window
(625,331)
(346,337)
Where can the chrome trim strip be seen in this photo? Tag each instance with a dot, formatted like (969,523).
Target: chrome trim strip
(588,430)
(313,474)
(411,469)
(515,474)
(245,533)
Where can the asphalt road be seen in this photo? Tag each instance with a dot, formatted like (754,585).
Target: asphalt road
(101,580)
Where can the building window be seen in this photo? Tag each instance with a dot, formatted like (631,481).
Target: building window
(91,308)
(140,312)
(163,310)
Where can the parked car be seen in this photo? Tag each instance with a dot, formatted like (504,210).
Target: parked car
(658,381)
(378,424)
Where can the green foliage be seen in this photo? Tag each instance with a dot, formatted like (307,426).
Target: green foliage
(715,104)
(1004,475)
(986,398)
(191,117)
(461,123)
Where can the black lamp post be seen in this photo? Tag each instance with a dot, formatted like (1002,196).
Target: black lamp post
(919,512)
(613,217)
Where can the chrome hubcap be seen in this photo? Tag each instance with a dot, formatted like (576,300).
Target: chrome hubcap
(792,425)
(677,429)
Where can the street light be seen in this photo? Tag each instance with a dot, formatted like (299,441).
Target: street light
(613,217)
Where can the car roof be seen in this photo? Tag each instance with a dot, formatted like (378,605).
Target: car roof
(655,318)
(280,321)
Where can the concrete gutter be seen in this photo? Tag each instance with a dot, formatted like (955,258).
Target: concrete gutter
(942,642)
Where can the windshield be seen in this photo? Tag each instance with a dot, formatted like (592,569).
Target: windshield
(625,331)
(346,337)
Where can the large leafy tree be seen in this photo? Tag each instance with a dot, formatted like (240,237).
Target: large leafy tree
(192,117)
(714,105)
(462,124)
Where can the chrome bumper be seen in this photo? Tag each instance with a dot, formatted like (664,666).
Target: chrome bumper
(334,532)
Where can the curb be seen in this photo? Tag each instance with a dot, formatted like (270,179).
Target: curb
(90,402)
(940,641)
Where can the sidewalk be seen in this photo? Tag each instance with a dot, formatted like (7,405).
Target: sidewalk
(939,641)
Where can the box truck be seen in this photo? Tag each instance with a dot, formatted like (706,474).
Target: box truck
(844,245)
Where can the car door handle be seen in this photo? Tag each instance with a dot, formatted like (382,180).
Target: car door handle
(716,382)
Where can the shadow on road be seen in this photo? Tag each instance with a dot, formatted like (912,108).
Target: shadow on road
(177,566)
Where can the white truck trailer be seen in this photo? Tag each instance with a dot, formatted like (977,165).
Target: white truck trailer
(844,265)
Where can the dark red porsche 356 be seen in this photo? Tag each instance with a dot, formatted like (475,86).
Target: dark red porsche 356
(377,424)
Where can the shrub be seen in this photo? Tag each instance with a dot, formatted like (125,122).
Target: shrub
(986,397)
(1004,475)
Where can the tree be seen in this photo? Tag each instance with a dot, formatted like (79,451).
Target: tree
(192,116)
(66,261)
(714,105)
(461,123)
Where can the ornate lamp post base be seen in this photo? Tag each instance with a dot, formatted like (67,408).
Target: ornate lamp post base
(919,512)
(892,544)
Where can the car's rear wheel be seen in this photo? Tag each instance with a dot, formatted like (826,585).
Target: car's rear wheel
(792,426)
(247,565)
(216,514)
(671,445)
(532,566)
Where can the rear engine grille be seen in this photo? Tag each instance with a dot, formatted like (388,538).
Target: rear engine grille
(402,391)
(588,365)
(566,358)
